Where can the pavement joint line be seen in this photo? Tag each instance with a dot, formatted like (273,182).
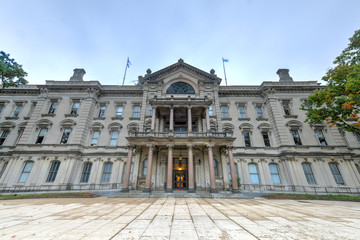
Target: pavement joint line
(192,219)
(131,220)
(236,222)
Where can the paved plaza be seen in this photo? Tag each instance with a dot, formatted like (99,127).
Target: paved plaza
(178,218)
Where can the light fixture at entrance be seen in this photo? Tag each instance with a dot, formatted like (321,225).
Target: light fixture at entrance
(180,159)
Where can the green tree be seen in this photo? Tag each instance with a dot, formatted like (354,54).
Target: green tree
(12,74)
(339,103)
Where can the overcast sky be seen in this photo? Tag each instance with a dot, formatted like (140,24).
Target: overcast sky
(52,37)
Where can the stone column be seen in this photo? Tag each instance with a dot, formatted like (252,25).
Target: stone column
(207,119)
(171,119)
(169,181)
(125,187)
(211,170)
(235,187)
(153,119)
(189,121)
(191,168)
(149,169)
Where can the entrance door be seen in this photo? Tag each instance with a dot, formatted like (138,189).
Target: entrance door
(180,179)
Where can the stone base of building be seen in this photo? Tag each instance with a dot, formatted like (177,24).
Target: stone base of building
(191,190)
(147,190)
(125,190)
(169,190)
(213,190)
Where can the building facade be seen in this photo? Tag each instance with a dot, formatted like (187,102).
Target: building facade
(177,129)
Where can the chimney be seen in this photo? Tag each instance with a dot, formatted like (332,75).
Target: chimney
(78,74)
(284,75)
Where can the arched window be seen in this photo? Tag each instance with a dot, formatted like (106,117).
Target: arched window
(123,173)
(26,171)
(254,173)
(144,167)
(54,168)
(180,88)
(308,173)
(336,173)
(236,171)
(86,172)
(107,172)
(216,168)
(274,171)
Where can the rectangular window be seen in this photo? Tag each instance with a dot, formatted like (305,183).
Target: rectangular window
(254,175)
(119,111)
(336,173)
(102,111)
(75,108)
(266,139)
(26,172)
(114,136)
(95,138)
(3,136)
(211,111)
(321,137)
(242,111)
(3,169)
(53,107)
(274,171)
(17,111)
(224,112)
(65,136)
(259,112)
(1,108)
(41,136)
(136,111)
(296,137)
(86,172)
(286,107)
(53,171)
(107,172)
(247,139)
(150,110)
(308,173)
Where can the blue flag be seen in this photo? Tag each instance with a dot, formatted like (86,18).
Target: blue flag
(225,60)
(128,64)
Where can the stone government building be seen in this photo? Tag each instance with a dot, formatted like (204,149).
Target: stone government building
(177,129)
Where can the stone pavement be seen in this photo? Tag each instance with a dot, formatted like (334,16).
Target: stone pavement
(177,218)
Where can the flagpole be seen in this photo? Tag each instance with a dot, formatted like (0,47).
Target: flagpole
(126,67)
(224,71)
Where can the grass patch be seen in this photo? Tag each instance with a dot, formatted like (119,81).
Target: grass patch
(313,197)
(50,195)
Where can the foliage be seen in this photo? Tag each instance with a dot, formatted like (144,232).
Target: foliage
(12,74)
(313,197)
(339,103)
(238,182)
(50,195)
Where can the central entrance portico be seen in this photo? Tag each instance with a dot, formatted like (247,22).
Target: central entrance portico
(182,122)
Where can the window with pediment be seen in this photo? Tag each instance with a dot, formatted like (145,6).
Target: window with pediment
(180,88)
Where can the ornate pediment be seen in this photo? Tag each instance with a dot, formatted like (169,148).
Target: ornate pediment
(179,66)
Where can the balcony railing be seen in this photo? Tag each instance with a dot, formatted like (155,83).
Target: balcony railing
(182,134)
(299,189)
